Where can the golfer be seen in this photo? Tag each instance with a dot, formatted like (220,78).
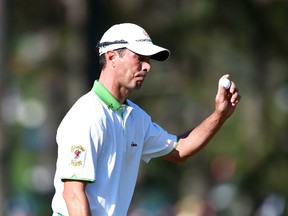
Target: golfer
(104,136)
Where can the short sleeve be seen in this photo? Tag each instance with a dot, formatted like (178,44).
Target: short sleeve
(77,155)
(158,142)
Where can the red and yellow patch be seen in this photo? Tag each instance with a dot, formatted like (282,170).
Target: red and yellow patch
(77,152)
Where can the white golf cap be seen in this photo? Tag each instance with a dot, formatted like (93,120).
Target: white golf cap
(134,38)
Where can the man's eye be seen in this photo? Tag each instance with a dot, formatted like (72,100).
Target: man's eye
(143,58)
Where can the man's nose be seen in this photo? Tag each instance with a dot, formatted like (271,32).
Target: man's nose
(146,66)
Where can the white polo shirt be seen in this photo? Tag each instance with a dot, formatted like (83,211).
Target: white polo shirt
(102,142)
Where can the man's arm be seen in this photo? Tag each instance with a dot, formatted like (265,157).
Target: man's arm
(193,141)
(75,198)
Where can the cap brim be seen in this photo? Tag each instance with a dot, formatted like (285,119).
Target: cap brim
(156,52)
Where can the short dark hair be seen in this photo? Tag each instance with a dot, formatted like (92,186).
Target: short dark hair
(102,58)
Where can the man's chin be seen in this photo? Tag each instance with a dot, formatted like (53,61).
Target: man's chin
(138,85)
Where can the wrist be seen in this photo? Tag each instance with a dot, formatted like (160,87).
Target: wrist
(218,117)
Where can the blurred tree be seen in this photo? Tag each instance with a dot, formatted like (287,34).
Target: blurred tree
(3,79)
(95,26)
(52,59)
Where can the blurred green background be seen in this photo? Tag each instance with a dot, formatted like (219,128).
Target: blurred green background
(48,60)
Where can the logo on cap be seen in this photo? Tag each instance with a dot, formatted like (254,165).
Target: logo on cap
(145,33)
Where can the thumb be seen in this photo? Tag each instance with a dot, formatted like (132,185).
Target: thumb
(222,83)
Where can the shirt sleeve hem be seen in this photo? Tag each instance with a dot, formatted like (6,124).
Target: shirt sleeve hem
(170,148)
(78,179)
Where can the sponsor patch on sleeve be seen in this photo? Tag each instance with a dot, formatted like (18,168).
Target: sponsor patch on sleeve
(77,153)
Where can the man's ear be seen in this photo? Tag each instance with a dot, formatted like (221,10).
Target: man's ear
(110,56)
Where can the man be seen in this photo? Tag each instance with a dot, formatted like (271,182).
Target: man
(104,136)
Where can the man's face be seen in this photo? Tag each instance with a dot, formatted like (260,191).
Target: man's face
(131,69)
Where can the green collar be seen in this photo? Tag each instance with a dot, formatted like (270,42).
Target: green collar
(105,96)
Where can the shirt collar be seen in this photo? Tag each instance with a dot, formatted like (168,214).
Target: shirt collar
(106,96)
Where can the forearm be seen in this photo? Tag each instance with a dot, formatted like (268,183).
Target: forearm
(226,101)
(200,136)
(193,141)
(78,206)
(76,200)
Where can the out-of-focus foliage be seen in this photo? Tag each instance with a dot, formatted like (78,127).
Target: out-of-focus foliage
(48,60)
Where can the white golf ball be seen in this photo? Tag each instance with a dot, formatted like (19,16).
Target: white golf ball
(226,83)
